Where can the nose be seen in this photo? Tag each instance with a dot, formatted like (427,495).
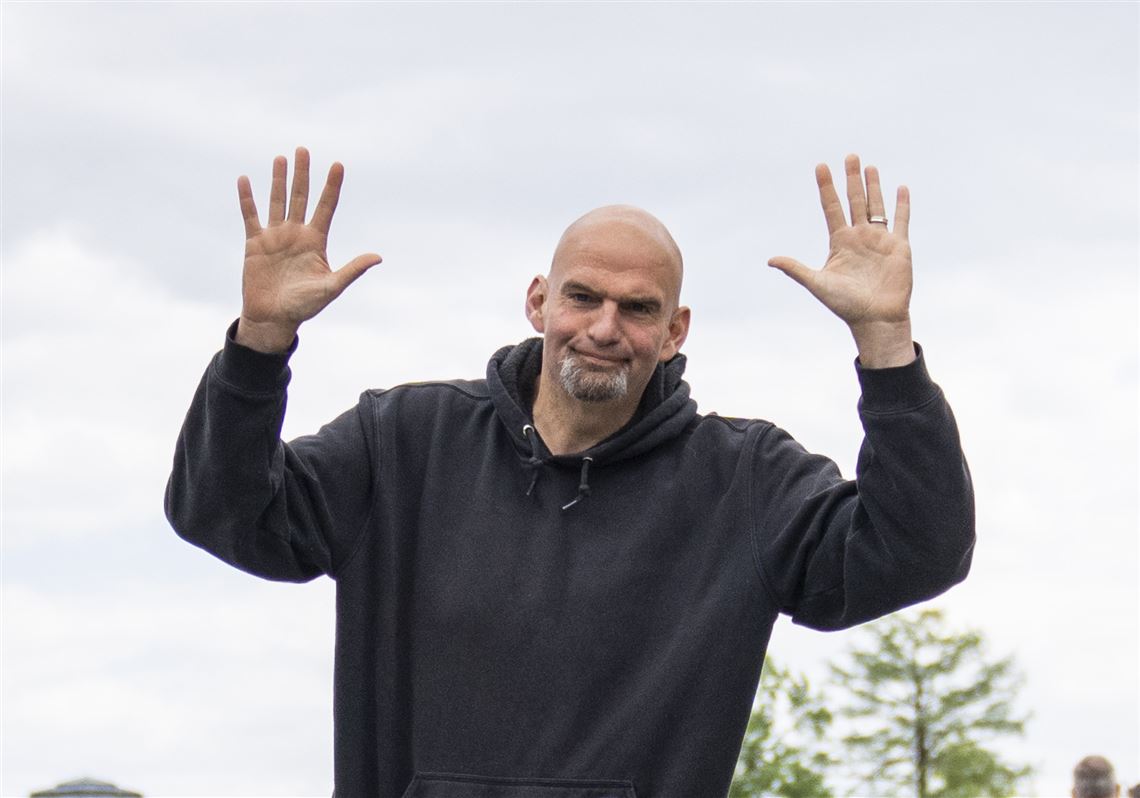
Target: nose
(604,327)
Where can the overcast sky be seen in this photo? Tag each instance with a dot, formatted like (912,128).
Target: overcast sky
(471,135)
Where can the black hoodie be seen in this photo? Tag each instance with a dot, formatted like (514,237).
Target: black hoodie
(513,624)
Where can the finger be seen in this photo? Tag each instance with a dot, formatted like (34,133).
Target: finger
(277,191)
(248,207)
(902,212)
(802,274)
(347,274)
(326,207)
(299,199)
(856,196)
(875,206)
(829,199)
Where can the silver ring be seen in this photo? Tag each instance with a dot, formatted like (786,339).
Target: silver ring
(878,220)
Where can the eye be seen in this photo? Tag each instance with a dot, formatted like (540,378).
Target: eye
(581,298)
(640,308)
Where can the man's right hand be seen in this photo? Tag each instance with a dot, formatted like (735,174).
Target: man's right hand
(286,278)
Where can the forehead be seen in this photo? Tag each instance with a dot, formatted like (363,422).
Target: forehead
(620,256)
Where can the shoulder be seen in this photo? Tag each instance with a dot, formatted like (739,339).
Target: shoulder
(445,390)
(728,437)
(425,400)
(414,410)
(730,426)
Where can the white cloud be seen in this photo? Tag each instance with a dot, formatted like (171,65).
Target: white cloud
(166,689)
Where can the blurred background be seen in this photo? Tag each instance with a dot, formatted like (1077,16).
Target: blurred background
(472,134)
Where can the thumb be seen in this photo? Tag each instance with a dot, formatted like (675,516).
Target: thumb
(803,275)
(349,272)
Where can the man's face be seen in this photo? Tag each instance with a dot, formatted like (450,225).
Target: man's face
(608,310)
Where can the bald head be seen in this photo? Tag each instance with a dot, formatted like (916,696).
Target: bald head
(637,233)
(1093,777)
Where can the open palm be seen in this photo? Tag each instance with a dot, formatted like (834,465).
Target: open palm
(286,277)
(867,277)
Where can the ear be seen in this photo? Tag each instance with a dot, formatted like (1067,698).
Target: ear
(678,332)
(536,303)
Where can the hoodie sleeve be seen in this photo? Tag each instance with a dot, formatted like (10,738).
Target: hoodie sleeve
(282,511)
(837,553)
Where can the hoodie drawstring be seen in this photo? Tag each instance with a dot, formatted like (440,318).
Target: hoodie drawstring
(583,484)
(533,463)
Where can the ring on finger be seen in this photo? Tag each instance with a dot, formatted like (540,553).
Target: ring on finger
(878,220)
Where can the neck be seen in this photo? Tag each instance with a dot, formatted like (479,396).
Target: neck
(569,425)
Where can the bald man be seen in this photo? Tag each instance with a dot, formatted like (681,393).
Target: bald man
(560,580)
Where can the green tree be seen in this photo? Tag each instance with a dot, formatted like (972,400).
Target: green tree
(783,753)
(924,706)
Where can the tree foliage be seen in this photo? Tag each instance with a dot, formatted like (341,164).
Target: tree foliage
(924,704)
(783,753)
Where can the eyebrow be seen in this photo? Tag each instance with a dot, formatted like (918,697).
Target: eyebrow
(574,287)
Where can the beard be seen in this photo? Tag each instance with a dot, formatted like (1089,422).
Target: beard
(588,385)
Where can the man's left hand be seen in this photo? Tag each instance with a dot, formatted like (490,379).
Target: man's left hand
(866,280)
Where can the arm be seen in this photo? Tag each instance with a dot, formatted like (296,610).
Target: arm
(283,511)
(866,280)
(837,553)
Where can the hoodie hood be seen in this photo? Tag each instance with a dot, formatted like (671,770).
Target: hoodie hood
(664,412)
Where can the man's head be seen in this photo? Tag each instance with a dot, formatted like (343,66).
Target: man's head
(1093,777)
(609,309)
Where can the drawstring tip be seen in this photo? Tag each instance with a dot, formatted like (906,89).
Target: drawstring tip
(583,484)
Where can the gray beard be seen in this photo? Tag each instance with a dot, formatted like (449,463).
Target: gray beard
(591,386)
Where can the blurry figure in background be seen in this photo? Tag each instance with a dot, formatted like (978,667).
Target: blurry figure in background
(1093,777)
(1134,792)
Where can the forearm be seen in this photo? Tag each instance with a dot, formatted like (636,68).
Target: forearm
(224,489)
(913,480)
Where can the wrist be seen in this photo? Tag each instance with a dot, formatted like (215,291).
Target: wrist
(884,344)
(268,337)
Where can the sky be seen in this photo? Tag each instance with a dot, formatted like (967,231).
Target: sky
(472,134)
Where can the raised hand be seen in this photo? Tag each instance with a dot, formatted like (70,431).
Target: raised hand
(286,278)
(866,280)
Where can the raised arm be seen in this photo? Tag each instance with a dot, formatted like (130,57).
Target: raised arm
(286,277)
(838,553)
(280,510)
(866,280)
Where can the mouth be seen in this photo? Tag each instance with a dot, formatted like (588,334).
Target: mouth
(602,361)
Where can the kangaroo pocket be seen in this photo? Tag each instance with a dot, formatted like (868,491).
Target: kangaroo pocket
(453,785)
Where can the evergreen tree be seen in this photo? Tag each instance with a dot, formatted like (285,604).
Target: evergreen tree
(783,754)
(924,704)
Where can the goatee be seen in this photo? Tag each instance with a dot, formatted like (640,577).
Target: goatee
(588,385)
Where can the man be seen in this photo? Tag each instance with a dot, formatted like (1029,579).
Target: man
(560,580)
(1093,777)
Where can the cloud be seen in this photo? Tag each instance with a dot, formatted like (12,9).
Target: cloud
(121,682)
(94,367)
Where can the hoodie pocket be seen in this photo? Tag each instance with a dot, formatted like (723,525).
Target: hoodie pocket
(455,785)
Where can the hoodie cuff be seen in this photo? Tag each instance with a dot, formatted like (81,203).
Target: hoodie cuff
(896,389)
(251,371)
